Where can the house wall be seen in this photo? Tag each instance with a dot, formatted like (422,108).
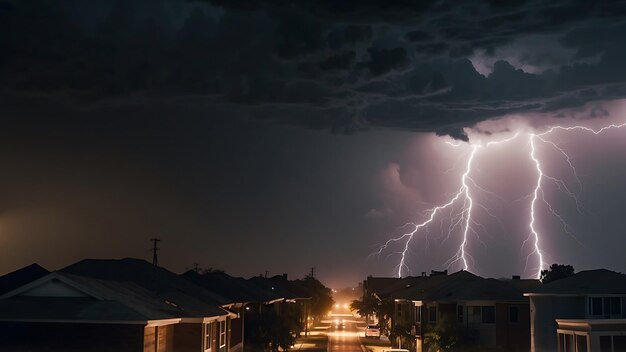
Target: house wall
(512,336)
(484,333)
(165,338)
(187,337)
(58,337)
(543,312)
(149,339)
(236,337)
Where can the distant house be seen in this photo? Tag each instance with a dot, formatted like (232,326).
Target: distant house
(372,288)
(292,295)
(113,305)
(492,314)
(584,312)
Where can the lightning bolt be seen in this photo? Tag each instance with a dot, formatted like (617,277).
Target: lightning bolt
(463,217)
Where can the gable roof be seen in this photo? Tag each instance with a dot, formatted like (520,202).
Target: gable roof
(20,277)
(102,301)
(156,280)
(599,281)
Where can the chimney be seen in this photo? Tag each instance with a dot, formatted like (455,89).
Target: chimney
(285,276)
(516,277)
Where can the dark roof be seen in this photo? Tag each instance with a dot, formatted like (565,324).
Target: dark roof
(600,281)
(398,285)
(461,286)
(235,290)
(374,285)
(21,277)
(280,286)
(104,300)
(156,280)
(66,309)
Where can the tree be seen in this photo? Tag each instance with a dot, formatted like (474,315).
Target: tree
(364,307)
(382,309)
(321,296)
(447,336)
(556,272)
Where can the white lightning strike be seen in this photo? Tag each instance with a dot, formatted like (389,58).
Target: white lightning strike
(464,216)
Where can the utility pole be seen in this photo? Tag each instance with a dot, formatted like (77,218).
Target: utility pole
(155,260)
(313,272)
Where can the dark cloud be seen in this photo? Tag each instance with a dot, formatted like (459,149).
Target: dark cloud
(353,63)
(383,61)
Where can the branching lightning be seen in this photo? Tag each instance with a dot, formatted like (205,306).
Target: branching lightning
(461,204)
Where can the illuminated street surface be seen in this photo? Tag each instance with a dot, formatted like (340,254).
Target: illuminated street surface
(344,338)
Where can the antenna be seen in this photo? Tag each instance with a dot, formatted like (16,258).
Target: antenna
(155,260)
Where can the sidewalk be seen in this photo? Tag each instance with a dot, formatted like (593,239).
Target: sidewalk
(373,344)
(315,342)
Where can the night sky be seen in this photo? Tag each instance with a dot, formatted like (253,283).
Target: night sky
(279,135)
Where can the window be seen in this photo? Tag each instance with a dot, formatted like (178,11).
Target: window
(399,310)
(619,343)
(489,314)
(513,314)
(581,343)
(418,314)
(473,314)
(459,314)
(616,306)
(207,336)
(605,307)
(481,314)
(605,344)
(432,314)
(222,335)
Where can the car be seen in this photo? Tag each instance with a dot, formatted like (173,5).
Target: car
(339,323)
(372,331)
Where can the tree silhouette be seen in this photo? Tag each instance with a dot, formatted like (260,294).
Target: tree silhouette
(556,272)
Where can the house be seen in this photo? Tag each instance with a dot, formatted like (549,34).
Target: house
(245,299)
(168,286)
(21,277)
(295,299)
(583,312)
(372,287)
(67,312)
(493,315)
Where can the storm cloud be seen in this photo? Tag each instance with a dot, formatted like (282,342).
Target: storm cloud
(343,66)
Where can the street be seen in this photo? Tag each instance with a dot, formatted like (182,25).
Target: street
(343,334)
